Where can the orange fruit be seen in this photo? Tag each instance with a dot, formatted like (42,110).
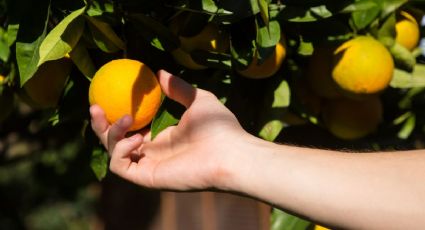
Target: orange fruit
(126,87)
(269,66)
(210,38)
(44,89)
(407,31)
(319,72)
(362,65)
(319,227)
(352,119)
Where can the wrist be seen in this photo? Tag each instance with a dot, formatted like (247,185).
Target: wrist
(241,163)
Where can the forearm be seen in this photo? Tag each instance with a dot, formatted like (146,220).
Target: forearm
(351,190)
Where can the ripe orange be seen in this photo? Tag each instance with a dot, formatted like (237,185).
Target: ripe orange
(44,89)
(126,87)
(319,227)
(267,68)
(407,31)
(210,38)
(362,65)
(319,72)
(352,119)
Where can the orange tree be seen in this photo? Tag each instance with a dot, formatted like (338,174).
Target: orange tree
(299,61)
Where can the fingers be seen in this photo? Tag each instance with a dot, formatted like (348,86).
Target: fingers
(99,123)
(118,131)
(121,160)
(176,88)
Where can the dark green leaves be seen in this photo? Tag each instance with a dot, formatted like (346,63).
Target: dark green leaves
(33,47)
(99,162)
(32,31)
(168,115)
(104,36)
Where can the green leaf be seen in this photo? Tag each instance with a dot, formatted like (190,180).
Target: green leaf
(403,58)
(389,7)
(99,162)
(4,46)
(283,221)
(32,31)
(209,6)
(99,8)
(164,118)
(81,58)
(268,36)
(282,96)
(104,36)
(271,130)
(274,115)
(408,127)
(301,14)
(62,38)
(361,19)
(403,79)
(359,6)
(264,10)
(12,33)
(386,32)
(155,32)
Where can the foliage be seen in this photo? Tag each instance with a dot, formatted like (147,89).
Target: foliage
(93,32)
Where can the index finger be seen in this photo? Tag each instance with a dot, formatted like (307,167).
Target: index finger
(176,88)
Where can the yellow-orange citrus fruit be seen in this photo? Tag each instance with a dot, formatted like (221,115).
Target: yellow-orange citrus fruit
(319,227)
(44,89)
(407,31)
(1,79)
(352,119)
(269,66)
(319,72)
(362,65)
(126,87)
(210,38)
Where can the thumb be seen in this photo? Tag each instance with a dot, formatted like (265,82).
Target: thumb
(176,88)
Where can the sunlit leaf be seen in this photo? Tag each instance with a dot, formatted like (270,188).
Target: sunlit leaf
(209,6)
(403,79)
(264,10)
(62,38)
(403,58)
(282,221)
(268,36)
(408,127)
(281,96)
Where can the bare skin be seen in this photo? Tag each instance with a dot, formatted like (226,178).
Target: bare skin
(209,149)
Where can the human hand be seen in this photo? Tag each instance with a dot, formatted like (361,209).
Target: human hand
(190,156)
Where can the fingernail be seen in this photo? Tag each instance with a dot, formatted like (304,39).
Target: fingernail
(125,120)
